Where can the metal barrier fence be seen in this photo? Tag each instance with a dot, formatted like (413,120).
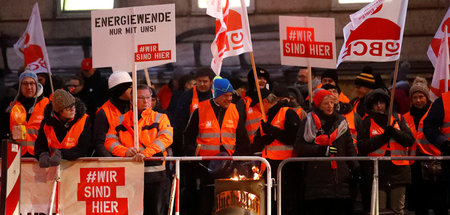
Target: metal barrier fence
(374,209)
(177,161)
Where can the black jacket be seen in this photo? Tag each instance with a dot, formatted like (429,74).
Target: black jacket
(41,144)
(321,181)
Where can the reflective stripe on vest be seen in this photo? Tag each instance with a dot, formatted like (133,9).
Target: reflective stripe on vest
(395,148)
(33,124)
(445,128)
(211,136)
(351,121)
(253,119)
(277,150)
(113,115)
(421,142)
(71,138)
(195,101)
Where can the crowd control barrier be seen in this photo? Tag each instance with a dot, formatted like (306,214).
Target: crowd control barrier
(374,209)
(176,160)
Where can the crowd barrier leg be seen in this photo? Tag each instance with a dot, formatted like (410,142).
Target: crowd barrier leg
(55,192)
(10,190)
(374,205)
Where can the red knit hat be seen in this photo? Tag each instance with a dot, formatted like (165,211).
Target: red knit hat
(86,64)
(319,95)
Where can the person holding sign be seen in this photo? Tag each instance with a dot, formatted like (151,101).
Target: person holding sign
(155,136)
(65,132)
(31,99)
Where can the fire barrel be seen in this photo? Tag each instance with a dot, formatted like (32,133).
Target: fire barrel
(245,197)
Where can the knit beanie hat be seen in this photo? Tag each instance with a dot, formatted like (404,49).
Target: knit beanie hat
(366,78)
(118,83)
(329,86)
(221,86)
(62,99)
(29,74)
(319,94)
(281,91)
(330,73)
(420,85)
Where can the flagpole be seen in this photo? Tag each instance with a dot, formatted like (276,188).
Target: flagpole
(135,109)
(309,86)
(263,112)
(446,60)
(391,103)
(51,81)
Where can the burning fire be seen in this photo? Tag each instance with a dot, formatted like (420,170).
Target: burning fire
(237,177)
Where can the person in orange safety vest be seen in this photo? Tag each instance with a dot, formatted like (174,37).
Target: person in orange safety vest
(330,76)
(375,138)
(65,132)
(155,136)
(30,97)
(216,128)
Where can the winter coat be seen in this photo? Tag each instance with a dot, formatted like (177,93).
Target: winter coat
(61,130)
(321,180)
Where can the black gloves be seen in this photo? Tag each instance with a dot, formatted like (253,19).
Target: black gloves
(266,127)
(55,159)
(390,131)
(44,160)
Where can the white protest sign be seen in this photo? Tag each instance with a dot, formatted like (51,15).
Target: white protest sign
(144,36)
(93,187)
(307,41)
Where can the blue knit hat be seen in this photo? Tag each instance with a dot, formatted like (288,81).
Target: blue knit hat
(221,86)
(28,73)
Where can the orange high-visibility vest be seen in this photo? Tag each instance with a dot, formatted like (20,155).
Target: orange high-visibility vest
(299,112)
(445,128)
(277,150)
(355,106)
(395,148)
(421,142)
(71,138)
(113,115)
(343,98)
(253,119)
(195,101)
(210,135)
(350,118)
(155,134)
(32,125)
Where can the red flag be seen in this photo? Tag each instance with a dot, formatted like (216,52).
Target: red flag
(232,32)
(440,81)
(433,49)
(31,45)
(375,32)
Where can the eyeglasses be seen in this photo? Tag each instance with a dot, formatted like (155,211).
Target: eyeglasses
(28,83)
(70,107)
(144,98)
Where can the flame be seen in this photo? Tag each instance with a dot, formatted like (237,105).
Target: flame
(256,173)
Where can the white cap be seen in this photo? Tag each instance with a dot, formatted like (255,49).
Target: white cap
(118,77)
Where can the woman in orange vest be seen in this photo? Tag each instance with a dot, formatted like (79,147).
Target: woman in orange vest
(65,132)
(428,189)
(325,133)
(30,97)
(375,138)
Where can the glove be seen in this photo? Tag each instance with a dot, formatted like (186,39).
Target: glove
(55,159)
(332,150)
(266,127)
(44,160)
(390,131)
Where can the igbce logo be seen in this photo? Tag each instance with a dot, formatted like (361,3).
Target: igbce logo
(378,37)
(232,39)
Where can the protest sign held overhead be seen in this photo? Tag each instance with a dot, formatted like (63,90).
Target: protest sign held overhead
(433,49)
(375,32)
(123,37)
(31,45)
(307,41)
(232,31)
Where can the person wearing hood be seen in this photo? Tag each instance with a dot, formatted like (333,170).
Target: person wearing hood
(29,97)
(428,189)
(155,136)
(376,138)
(325,133)
(65,131)
(110,114)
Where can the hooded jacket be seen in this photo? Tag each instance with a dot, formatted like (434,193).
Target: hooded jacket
(61,130)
